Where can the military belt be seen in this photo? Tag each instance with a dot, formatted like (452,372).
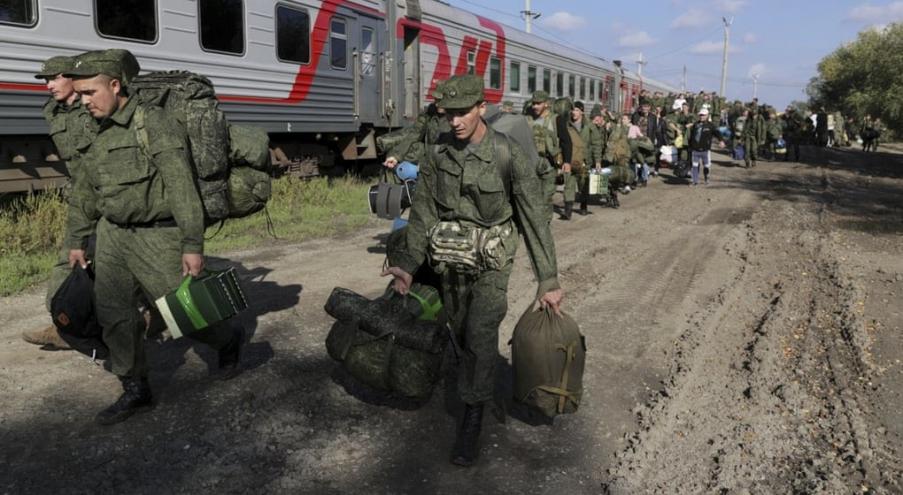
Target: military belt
(156,224)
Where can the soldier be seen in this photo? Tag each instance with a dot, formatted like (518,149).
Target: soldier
(701,135)
(507,106)
(545,137)
(577,158)
(465,188)
(793,133)
(71,128)
(149,221)
(598,135)
(749,135)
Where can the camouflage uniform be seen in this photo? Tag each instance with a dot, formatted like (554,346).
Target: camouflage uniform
(545,137)
(71,128)
(462,183)
(579,155)
(147,212)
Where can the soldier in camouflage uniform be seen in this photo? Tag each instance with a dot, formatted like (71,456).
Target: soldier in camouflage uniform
(463,190)
(71,128)
(577,161)
(545,137)
(149,220)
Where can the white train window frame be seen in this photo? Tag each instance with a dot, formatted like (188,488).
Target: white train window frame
(34,17)
(333,38)
(471,62)
(514,77)
(547,81)
(244,40)
(559,84)
(296,9)
(156,19)
(495,73)
(531,79)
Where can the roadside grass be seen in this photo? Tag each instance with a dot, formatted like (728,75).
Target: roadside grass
(32,226)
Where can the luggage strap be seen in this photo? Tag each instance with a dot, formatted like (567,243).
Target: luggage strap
(562,390)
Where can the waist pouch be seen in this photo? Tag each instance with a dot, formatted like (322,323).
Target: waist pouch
(469,248)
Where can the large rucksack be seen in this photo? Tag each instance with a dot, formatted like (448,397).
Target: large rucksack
(217,148)
(548,355)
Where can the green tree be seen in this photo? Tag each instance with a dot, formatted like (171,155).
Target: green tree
(864,77)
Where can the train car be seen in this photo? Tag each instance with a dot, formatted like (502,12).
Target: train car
(323,77)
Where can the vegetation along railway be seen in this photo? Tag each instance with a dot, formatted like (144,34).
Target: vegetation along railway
(324,78)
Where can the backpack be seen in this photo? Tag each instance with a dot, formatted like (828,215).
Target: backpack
(191,100)
(72,310)
(548,355)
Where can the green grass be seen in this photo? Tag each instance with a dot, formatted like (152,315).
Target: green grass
(32,227)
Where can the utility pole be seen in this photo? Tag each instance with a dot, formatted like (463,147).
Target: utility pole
(683,82)
(639,65)
(727,37)
(755,78)
(528,16)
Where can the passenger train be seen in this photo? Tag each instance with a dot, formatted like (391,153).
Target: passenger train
(323,77)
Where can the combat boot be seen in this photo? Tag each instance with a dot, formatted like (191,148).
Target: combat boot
(583,211)
(48,337)
(568,210)
(229,358)
(135,398)
(613,200)
(467,442)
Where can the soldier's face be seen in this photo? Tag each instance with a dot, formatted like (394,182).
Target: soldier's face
(576,114)
(466,121)
(598,120)
(60,87)
(539,108)
(99,94)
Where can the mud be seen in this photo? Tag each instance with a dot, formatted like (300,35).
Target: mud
(744,337)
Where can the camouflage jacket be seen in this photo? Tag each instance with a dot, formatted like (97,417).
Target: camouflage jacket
(545,135)
(461,183)
(617,152)
(71,128)
(408,142)
(598,141)
(582,147)
(127,185)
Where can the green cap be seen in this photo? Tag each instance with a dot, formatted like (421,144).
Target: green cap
(540,97)
(596,111)
(508,103)
(461,92)
(55,65)
(115,62)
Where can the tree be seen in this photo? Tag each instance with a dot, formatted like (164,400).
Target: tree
(864,77)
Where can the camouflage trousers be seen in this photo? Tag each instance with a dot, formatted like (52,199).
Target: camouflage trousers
(476,305)
(574,181)
(750,148)
(130,262)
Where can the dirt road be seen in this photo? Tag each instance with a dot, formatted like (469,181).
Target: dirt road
(744,337)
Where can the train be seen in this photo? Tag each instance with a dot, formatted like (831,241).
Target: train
(322,77)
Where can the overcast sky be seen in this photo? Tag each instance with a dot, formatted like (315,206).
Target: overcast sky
(780,40)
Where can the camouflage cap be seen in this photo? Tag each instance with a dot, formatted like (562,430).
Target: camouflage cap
(461,92)
(437,92)
(55,65)
(115,62)
(596,111)
(508,103)
(540,96)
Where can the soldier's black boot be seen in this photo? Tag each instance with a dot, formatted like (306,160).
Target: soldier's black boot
(613,199)
(467,446)
(229,357)
(135,398)
(568,210)
(583,211)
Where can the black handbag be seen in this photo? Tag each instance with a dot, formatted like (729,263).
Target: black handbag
(73,313)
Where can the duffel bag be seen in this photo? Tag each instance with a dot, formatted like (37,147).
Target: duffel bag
(548,354)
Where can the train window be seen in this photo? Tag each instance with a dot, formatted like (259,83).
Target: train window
(134,20)
(571,86)
(592,90)
(531,79)
(338,44)
(559,84)
(471,62)
(495,73)
(222,25)
(547,80)
(18,12)
(368,52)
(582,88)
(292,35)
(514,77)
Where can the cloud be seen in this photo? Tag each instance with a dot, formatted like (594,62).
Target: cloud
(877,13)
(636,40)
(564,21)
(711,48)
(759,69)
(750,38)
(693,18)
(730,6)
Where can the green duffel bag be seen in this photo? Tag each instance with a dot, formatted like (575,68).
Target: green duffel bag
(621,176)
(388,343)
(249,147)
(548,354)
(248,192)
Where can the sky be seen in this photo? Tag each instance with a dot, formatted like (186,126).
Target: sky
(781,41)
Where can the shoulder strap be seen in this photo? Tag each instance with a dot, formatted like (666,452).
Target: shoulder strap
(502,145)
(141,128)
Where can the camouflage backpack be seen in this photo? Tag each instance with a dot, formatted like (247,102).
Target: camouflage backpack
(191,100)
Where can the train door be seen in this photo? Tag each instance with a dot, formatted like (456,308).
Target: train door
(369,71)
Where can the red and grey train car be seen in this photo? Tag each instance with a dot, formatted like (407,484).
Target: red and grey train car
(323,77)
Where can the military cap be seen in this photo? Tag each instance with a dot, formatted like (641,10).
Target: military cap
(437,92)
(115,62)
(55,65)
(596,111)
(508,103)
(540,96)
(461,92)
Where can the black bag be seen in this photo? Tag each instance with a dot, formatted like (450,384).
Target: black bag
(72,310)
